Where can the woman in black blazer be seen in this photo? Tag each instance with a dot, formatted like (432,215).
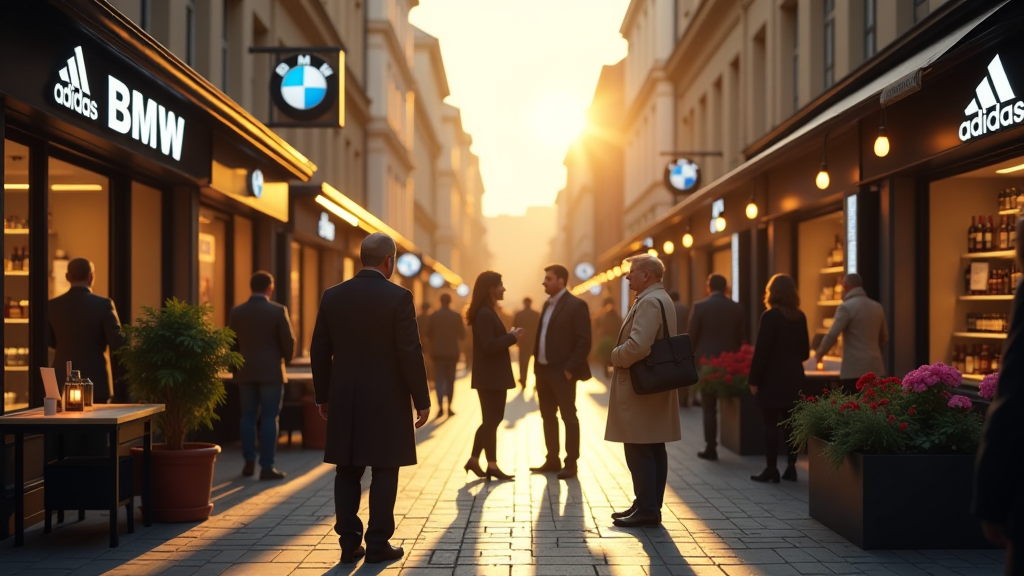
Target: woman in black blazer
(492,369)
(776,371)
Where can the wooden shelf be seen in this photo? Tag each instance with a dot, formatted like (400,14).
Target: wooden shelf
(15,272)
(15,320)
(974,377)
(16,368)
(981,335)
(833,270)
(1010,211)
(983,297)
(829,302)
(19,231)
(993,254)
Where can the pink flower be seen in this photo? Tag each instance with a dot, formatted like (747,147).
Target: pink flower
(958,401)
(988,386)
(928,376)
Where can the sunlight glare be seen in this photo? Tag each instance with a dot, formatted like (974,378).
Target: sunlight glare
(558,119)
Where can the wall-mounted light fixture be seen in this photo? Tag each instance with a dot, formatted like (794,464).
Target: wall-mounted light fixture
(653,252)
(882,141)
(822,180)
(668,247)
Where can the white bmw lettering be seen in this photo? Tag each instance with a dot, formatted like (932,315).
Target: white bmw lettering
(145,118)
(171,133)
(119,118)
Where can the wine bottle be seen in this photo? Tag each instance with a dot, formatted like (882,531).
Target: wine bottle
(970,235)
(979,235)
(1004,234)
(837,252)
(988,235)
(969,361)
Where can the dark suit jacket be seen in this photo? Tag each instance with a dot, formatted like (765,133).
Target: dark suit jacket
(568,338)
(778,365)
(716,326)
(264,338)
(445,329)
(529,321)
(492,365)
(367,362)
(682,318)
(82,326)
(998,489)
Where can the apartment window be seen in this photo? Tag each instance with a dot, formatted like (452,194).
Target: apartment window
(144,14)
(190,33)
(920,10)
(830,43)
(870,19)
(224,49)
(796,60)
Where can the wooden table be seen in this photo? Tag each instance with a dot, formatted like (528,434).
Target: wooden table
(122,422)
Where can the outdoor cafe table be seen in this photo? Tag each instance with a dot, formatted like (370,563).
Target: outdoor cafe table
(122,422)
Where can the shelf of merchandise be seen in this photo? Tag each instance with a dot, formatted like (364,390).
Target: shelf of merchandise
(829,302)
(990,297)
(17,231)
(992,254)
(981,335)
(16,368)
(833,270)
(1010,211)
(15,320)
(15,272)
(974,377)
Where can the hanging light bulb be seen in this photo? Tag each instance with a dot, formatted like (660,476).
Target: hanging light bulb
(653,252)
(687,240)
(720,223)
(882,142)
(751,209)
(822,180)
(668,248)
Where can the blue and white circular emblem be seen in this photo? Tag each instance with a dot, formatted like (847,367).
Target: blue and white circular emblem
(409,264)
(682,175)
(303,87)
(437,280)
(256,182)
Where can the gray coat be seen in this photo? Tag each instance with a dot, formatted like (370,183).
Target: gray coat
(82,327)
(716,326)
(264,338)
(861,321)
(445,329)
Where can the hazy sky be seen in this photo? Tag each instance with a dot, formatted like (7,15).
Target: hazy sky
(522,71)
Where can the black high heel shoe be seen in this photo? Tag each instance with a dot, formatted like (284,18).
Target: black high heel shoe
(497,474)
(474,467)
(769,475)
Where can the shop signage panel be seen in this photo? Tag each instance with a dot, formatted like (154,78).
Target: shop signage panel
(325,228)
(63,69)
(307,87)
(996,104)
(682,176)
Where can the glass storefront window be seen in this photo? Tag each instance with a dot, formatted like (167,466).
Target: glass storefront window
(16,327)
(147,257)
(821,267)
(213,228)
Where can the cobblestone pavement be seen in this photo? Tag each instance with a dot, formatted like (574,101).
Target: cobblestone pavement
(716,521)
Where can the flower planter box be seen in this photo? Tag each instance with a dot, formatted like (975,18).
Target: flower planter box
(896,501)
(742,427)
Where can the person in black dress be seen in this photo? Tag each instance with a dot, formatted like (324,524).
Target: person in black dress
(492,369)
(777,371)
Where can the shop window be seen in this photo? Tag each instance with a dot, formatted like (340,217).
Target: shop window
(721,264)
(830,43)
(243,266)
(16,328)
(310,299)
(972,270)
(213,235)
(820,269)
(147,257)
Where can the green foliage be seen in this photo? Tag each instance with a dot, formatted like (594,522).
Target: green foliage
(174,356)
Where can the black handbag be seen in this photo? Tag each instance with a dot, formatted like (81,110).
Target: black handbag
(669,365)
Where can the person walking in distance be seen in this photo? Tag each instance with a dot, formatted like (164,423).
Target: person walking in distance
(716,326)
(777,370)
(265,341)
(445,330)
(561,350)
(643,423)
(492,369)
(861,321)
(527,319)
(367,367)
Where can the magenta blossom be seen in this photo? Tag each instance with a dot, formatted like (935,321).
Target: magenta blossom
(958,401)
(928,376)
(988,386)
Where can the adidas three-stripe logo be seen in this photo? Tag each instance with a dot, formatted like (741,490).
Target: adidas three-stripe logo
(74,93)
(991,108)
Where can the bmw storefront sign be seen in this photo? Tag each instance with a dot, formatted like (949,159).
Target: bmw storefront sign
(682,176)
(584,271)
(409,264)
(436,280)
(304,87)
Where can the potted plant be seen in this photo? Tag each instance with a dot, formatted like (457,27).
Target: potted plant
(742,427)
(174,356)
(891,466)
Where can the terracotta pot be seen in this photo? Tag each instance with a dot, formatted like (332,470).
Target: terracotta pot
(182,481)
(314,427)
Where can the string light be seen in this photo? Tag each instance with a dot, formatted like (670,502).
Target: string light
(687,240)
(822,180)
(668,248)
(720,223)
(751,209)
(882,142)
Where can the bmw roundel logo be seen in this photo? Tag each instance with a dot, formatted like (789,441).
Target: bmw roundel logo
(304,87)
(682,175)
(256,182)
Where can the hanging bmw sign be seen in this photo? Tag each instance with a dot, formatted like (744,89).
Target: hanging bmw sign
(682,176)
(409,265)
(307,88)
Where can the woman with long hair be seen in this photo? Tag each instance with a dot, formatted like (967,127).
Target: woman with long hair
(492,369)
(777,371)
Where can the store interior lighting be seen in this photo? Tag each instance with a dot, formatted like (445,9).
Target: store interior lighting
(720,224)
(822,180)
(15,186)
(668,248)
(76,188)
(687,240)
(618,271)
(882,142)
(1009,170)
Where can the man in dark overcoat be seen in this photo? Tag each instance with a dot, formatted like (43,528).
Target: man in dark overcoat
(367,365)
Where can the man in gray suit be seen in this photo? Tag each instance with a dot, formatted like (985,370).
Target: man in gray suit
(82,326)
(528,319)
(445,329)
(716,326)
(264,338)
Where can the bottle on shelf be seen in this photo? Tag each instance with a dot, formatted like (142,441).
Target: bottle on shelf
(837,252)
(837,292)
(1019,193)
(987,235)
(958,358)
(994,365)
(1004,233)
(24,257)
(971,230)
(986,358)
(968,361)
(979,235)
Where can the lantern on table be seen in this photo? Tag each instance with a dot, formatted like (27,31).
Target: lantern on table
(74,393)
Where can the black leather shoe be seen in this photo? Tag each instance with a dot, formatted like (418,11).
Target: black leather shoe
(250,468)
(384,554)
(568,472)
(624,514)
(636,520)
(790,473)
(350,556)
(549,466)
(769,475)
(709,454)
(272,474)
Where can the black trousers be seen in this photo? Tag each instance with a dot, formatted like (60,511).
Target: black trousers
(347,492)
(492,407)
(772,439)
(648,465)
(557,394)
(709,406)
(524,364)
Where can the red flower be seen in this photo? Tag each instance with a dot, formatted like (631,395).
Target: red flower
(892,418)
(912,410)
(866,380)
(903,426)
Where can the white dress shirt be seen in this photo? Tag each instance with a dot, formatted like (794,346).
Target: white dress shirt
(542,347)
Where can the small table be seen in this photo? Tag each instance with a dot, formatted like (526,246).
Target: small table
(122,422)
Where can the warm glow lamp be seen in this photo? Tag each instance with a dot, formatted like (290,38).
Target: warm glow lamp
(668,248)
(653,252)
(881,143)
(687,240)
(618,271)
(822,180)
(751,210)
(720,224)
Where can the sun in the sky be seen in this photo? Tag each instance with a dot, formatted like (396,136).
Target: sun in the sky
(558,119)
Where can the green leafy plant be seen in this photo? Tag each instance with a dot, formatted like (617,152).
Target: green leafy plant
(919,415)
(174,356)
(726,374)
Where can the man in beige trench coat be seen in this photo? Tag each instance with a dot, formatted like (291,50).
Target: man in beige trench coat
(643,423)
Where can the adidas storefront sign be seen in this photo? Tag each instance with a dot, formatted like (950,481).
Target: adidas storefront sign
(73,90)
(993,108)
